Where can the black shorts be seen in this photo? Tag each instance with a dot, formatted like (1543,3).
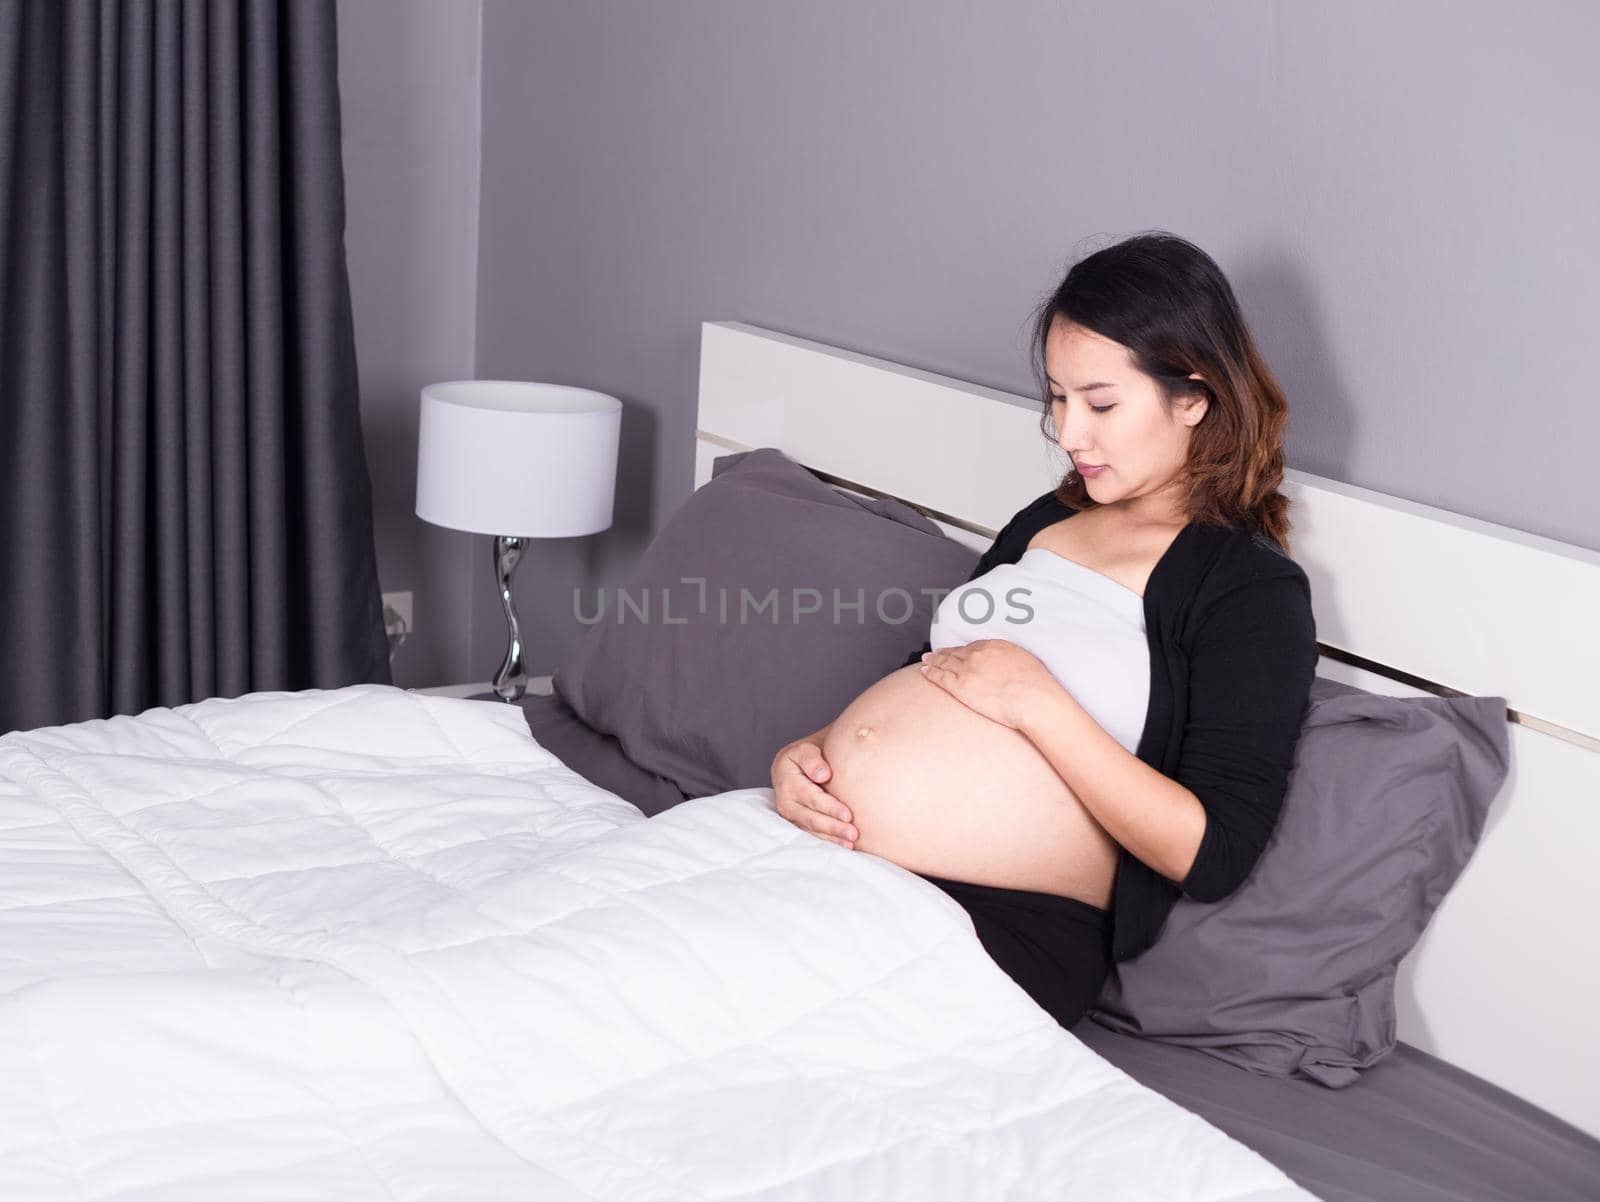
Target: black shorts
(1057,948)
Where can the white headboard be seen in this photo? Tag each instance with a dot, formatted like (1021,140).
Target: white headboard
(1409,599)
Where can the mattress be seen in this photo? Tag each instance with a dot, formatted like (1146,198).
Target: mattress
(366,944)
(1414,1128)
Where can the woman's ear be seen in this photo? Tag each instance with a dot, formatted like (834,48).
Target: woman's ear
(1197,402)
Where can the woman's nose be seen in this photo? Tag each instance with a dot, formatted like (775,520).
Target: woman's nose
(1071,439)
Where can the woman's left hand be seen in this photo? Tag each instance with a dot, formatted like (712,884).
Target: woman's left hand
(998,679)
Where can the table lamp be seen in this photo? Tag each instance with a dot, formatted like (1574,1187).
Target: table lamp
(517,460)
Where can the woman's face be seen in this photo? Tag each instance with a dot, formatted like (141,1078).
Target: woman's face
(1106,411)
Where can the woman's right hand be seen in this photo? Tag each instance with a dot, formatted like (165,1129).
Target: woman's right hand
(798,771)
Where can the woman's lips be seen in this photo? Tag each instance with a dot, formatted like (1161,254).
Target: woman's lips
(1087,470)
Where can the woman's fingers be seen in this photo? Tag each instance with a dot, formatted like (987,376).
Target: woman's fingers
(808,805)
(832,806)
(809,757)
(815,769)
(832,815)
(816,805)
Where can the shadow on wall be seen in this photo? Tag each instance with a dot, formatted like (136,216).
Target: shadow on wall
(1280,305)
(429,562)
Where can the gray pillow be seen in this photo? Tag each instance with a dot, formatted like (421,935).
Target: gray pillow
(596,757)
(702,683)
(1293,974)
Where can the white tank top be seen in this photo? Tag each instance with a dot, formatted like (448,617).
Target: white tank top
(1087,629)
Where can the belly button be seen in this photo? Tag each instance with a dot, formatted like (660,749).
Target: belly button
(863,732)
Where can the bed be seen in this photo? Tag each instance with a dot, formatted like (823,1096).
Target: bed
(1489,1093)
(366,943)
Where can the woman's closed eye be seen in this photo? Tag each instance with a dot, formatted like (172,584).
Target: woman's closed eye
(1092,408)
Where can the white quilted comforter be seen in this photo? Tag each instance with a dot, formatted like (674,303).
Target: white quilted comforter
(367,944)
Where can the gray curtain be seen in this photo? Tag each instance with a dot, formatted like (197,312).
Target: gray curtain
(185,509)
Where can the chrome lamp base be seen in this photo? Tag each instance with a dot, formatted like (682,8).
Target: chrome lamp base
(511,681)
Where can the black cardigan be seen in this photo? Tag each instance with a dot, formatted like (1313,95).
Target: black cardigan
(1233,650)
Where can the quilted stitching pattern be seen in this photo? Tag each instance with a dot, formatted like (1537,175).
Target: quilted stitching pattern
(369,944)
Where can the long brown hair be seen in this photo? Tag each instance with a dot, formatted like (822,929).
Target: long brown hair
(1168,302)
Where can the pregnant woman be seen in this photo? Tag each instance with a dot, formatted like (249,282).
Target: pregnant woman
(1106,712)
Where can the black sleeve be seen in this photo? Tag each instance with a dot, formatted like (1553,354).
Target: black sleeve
(990,558)
(1251,668)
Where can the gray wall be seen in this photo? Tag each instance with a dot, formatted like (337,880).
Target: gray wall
(1400,194)
(409,73)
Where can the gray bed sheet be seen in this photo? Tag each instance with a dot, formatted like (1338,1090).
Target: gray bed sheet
(1414,1128)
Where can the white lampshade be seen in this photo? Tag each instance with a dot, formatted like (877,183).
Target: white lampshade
(519,459)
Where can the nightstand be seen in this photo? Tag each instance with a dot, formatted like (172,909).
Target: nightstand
(538,686)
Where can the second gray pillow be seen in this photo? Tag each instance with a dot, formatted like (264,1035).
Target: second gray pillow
(1293,974)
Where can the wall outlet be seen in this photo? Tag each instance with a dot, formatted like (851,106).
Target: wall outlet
(397,613)
(396,620)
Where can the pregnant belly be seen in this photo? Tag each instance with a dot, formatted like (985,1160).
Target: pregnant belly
(941,790)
